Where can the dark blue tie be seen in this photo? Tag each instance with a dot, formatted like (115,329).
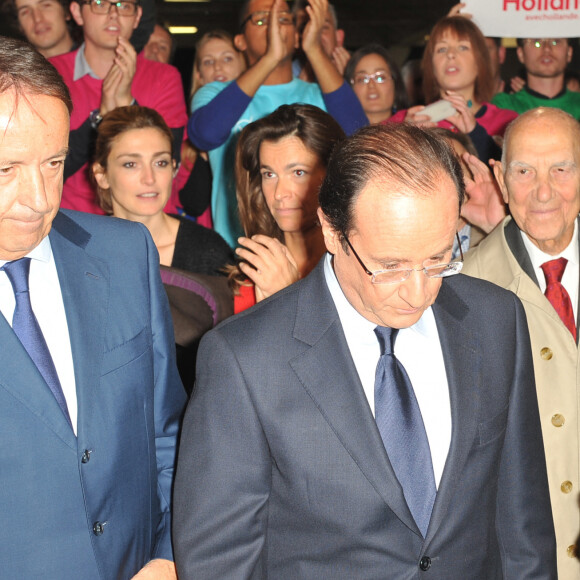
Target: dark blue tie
(28,330)
(401,426)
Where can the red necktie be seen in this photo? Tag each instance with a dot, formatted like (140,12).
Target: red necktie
(556,293)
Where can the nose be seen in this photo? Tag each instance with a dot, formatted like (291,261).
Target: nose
(33,193)
(283,190)
(544,189)
(147,175)
(37,15)
(414,289)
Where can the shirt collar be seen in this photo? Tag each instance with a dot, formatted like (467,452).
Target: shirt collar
(538,257)
(82,67)
(540,96)
(42,252)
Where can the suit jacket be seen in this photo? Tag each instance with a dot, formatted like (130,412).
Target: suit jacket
(503,259)
(283,474)
(95,506)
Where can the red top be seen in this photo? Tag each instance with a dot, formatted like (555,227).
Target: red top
(245,299)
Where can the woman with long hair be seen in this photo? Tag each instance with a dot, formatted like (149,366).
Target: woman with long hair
(280,164)
(377,82)
(457,68)
(133,170)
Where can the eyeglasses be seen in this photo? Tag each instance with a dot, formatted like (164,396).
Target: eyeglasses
(124,8)
(401,274)
(543,42)
(364,79)
(262,18)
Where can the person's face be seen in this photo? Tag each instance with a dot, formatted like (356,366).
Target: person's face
(102,31)
(33,145)
(395,230)
(291,177)
(548,61)
(496,55)
(43,22)
(159,46)
(219,61)
(328,38)
(253,41)
(542,181)
(454,63)
(375,98)
(139,173)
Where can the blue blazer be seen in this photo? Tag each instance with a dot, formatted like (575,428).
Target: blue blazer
(283,474)
(95,506)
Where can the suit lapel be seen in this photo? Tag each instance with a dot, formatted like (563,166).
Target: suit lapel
(84,282)
(463,368)
(327,372)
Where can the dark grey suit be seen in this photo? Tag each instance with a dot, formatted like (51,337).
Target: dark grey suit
(283,474)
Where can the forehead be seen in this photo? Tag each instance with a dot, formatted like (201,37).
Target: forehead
(159,34)
(371,61)
(263,6)
(451,35)
(215,45)
(136,140)
(28,3)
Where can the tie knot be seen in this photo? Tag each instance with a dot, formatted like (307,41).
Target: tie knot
(17,273)
(554,270)
(386,337)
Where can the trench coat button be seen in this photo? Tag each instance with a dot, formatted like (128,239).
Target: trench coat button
(546,353)
(425,563)
(98,528)
(558,420)
(566,486)
(86,456)
(571,551)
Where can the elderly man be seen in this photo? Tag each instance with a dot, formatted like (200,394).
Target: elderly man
(90,399)
(534,253)
(311,449)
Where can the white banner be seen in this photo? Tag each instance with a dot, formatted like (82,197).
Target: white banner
(526,18)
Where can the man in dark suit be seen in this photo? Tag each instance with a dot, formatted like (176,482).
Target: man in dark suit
(90,398)
(311,449)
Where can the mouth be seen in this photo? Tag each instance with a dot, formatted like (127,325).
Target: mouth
(451,70)
(113,29)
(148,195)
(220,78)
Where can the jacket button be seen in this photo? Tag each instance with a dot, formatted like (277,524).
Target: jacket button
(558,420)
(98,528)
(566,486)
(425,563)
(86,456)
(546,353)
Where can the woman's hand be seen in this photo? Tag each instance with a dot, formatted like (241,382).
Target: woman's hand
(267,263)
(415,117)
(464,120)
(484,206)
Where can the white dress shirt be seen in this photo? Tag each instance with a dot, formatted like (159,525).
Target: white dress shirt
(46,300)
(570,279)
(418,349)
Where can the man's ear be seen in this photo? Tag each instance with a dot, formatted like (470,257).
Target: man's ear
(340,37)
(499,176)
(569,54)
(100,176)
(332,239)
(240,42)
(138,17)
(76,13)
(520,53)
(501,54)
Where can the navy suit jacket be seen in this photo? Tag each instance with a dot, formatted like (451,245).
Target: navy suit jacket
(283,474)
(95,506)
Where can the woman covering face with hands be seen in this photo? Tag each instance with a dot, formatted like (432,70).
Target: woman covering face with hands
(280,164)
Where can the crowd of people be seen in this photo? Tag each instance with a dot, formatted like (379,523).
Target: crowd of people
(369,414)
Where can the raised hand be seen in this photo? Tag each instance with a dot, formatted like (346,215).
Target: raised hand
(464,120)
(415,117)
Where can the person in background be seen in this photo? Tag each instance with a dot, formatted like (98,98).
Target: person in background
(545,61)
(268,38)
(457,68)
(377,82)
(133,170)
(160,46)
(535,254)
(280,163)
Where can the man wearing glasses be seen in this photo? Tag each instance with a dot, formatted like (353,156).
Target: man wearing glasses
(377,419)
(104,73)
(545,61)
(268,38)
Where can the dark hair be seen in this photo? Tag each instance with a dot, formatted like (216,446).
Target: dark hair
(401,98)
(463,29)
(25,70)
(462,138)
(114,124)
(398,154)
(316,129)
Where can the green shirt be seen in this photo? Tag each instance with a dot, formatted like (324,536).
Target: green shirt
(527,99)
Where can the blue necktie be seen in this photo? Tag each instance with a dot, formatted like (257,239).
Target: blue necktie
(403,432)
(28,330)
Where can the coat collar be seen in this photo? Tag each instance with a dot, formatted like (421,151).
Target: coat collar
(327,372)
